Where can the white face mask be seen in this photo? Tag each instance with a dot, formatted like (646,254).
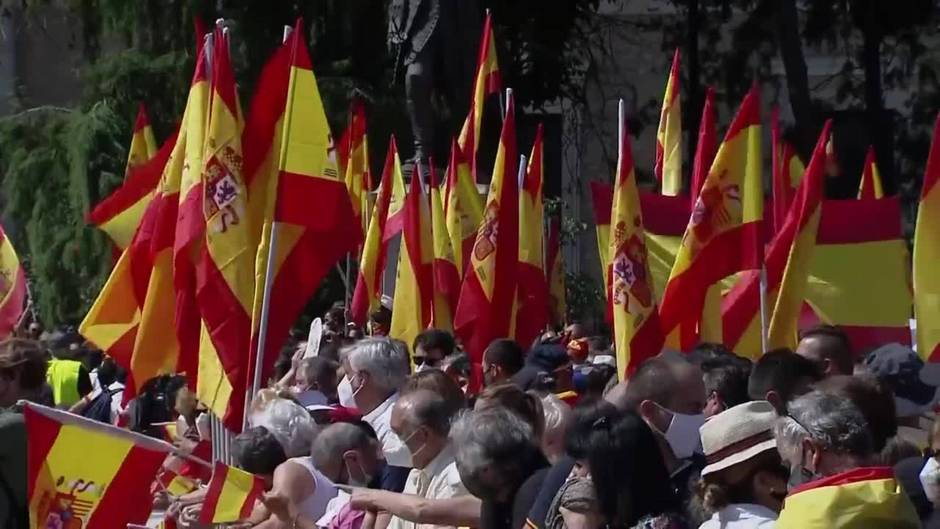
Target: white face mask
(683,435)
(345,392)
(930,479)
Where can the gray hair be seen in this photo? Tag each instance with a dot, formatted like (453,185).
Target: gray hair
(384,360)
(557,413)
(830,420)
(424,407)
(494,436)
(336,439)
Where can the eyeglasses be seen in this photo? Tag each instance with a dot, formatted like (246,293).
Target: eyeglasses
(421,360)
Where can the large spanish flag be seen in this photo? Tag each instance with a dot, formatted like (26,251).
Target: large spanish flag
(637,332)
(484,311)
(868,497)
(870,185)
(368,291)
(12,287)
(446,275)
(555,268)
(111,322)
(354,160)
(463,207)
(787,171)
(532,311)
(414,287)
(787,270)
(724,231)
(85,474)
(119,213)
(709,326)
(486,81)
(927,256)
(225,256)
(231,496)
(289,159)
(668,168)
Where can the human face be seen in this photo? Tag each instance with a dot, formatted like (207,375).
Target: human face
(689,397)
(713,405)
(430,358)
(416,439)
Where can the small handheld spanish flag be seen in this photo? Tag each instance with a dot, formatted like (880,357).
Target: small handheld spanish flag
(232,495)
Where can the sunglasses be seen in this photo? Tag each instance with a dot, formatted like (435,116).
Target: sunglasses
(421,360)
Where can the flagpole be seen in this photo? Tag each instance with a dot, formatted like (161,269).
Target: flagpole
(764,323)
(522,169)
(268,280)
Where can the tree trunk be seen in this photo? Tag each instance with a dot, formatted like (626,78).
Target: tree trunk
(794,64)
(694,89)
(879,125)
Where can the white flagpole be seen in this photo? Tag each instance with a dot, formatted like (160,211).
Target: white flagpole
(522,170)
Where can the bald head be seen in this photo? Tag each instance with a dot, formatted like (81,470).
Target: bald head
(423,407)
(828,348)
(337,439)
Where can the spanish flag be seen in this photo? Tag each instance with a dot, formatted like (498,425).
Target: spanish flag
(637,332)
(414,287)
(368,291)
(463,207)
(484,311)
(395,218)
(724,231)
(224,254)
(82,473)
(709,326)
(446,275)
(112,321)
(868,497)
(532,312)
(602,198)
(668,168)
(486,81)
(176,484)
(354,160)
(870,185)
(555,267)
(231,496)
(787,170)
(927,255)
(290,167)
(119,214)
(12,287)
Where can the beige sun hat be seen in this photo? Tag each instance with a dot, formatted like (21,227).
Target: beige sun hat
(738,434)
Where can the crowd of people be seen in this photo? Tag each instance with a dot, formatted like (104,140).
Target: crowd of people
(373,433)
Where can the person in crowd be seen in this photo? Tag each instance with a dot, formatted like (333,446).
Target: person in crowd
(872,399)
(502,359)
(547,369)
(68,377)
(22,376)
(287,420)
(616,451)
(745,482)
(596,379)
(920,477)
(825,441)
(726,379)
(348,454)
(380,321)
(557,415)
(431,347)
(828,347)
(438,382)
(316,381)
(378,369)
(500,463)
(915,385)
(779,376)
(527,405)
(578,351)
(707,351)
(575,331)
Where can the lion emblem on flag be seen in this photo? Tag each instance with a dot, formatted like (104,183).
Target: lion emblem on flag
(485,244)
(630,282)
(717,209)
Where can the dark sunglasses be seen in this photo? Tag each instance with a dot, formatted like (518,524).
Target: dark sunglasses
(421,360)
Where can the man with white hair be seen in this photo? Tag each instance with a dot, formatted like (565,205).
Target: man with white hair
(557,417)
(378,367)
(826,442)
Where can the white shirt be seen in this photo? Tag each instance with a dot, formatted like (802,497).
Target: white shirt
(116,400)
(314,506)
(742,516)
(396,453)
(437,481)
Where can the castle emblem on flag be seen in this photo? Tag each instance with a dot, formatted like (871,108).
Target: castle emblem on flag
(224,197)
(630,279)
(717,209)
(486,238)
(66,510)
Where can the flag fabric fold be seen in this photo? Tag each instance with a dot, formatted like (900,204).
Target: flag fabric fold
(786,171)
(353,152)
(463,207)
(532,311)
(709,325)
(446,274)
(870,185)
(414,287)
(927,255)
(486,81)
(12,287)
(231,495)
(668,167)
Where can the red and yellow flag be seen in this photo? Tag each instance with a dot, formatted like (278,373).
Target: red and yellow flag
(532,312)
(486,81)
(787,270)
(446,275)
(82,473)
(231,496)
(119,213)
(463,207)
(111,322)
(637,332)
(723,235)
(414,287)
(709,326)
(668,168)
(395,218)
(290,160)
(176,484)
(555,268)
(787,171)
(368,293)
(484,311)
(870,185)
(354,160)
(12,287)
(927,255)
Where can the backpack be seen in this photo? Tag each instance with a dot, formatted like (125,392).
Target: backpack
(100,408)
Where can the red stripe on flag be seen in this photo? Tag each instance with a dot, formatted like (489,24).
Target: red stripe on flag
(853,221)
(646,343)
(856,475)
(257,489)
(533,310)
(299,192)
(665,215)
(602,195)
(142,121)
(127,498)
(216,484)
(43,432)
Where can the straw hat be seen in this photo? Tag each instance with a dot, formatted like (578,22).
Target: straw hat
(738,434)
